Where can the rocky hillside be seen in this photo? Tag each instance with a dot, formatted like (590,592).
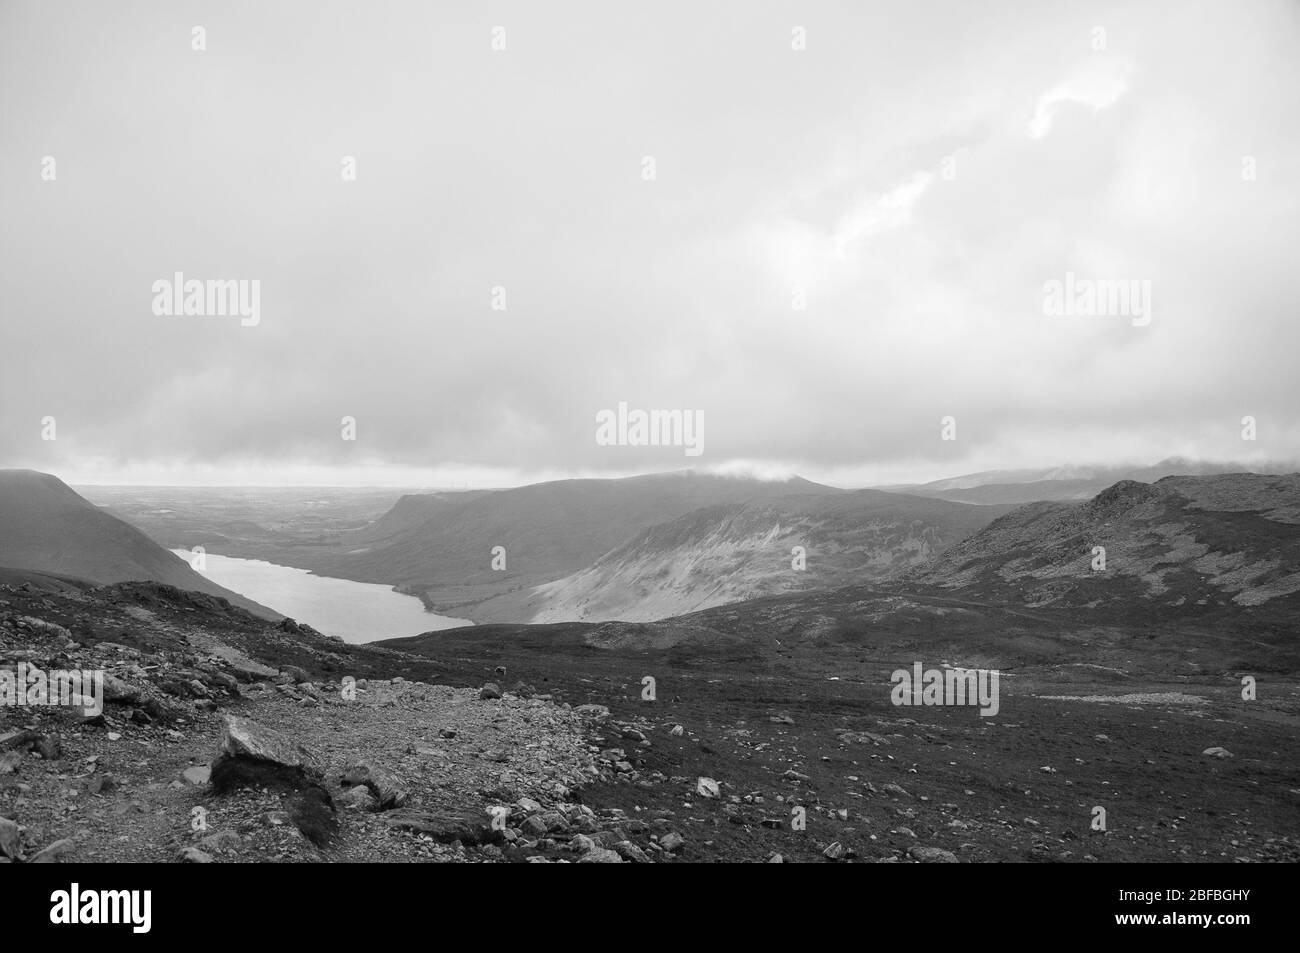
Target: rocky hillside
(46,527)
(725,554)
(213,746)
(1187,541)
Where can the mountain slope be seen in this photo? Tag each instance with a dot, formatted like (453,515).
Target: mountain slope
(1181,541)
(410,510)
(724,554)
(547,529)
(45,526)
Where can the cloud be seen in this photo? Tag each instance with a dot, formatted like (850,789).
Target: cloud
(1100,84)
(821,172)
(872,217)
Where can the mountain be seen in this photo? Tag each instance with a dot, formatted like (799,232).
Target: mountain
(412,509)
(1183,541)
(45,527)
(1059,483)
(724,554)
(548,530)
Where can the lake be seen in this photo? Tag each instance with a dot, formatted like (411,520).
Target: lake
(354,611)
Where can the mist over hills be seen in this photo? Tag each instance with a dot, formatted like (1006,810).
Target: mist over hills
(45,526)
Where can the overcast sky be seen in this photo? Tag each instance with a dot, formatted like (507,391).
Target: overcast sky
(919,172)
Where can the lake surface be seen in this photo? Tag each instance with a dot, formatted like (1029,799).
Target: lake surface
(354,611)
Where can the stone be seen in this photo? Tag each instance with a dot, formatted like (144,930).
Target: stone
(388,791)
(192,855)
(1217,752)
(357,798)
(116,690)
(470,828)
(246,670)
(582,843)
(932,855)
(53,854)
(631,853)
(250,753)
(599,855)
(489,691)
(10,842)
(707,788)
(672,842)
(608,838)
(528,805)
(199,774)
(47,746)
(222,841)
(555,822)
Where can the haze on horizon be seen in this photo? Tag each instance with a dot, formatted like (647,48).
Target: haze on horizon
(918,174)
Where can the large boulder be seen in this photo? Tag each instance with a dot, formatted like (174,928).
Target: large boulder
(252,754)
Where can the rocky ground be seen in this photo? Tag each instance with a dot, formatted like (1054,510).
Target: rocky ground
(768,735)
(204,753)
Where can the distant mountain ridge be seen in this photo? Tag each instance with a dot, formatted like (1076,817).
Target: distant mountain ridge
(1069,482)
(1224,539)
(46,527)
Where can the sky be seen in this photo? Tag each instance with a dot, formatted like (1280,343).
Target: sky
(823,228)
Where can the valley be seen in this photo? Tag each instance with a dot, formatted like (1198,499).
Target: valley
(654,719)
